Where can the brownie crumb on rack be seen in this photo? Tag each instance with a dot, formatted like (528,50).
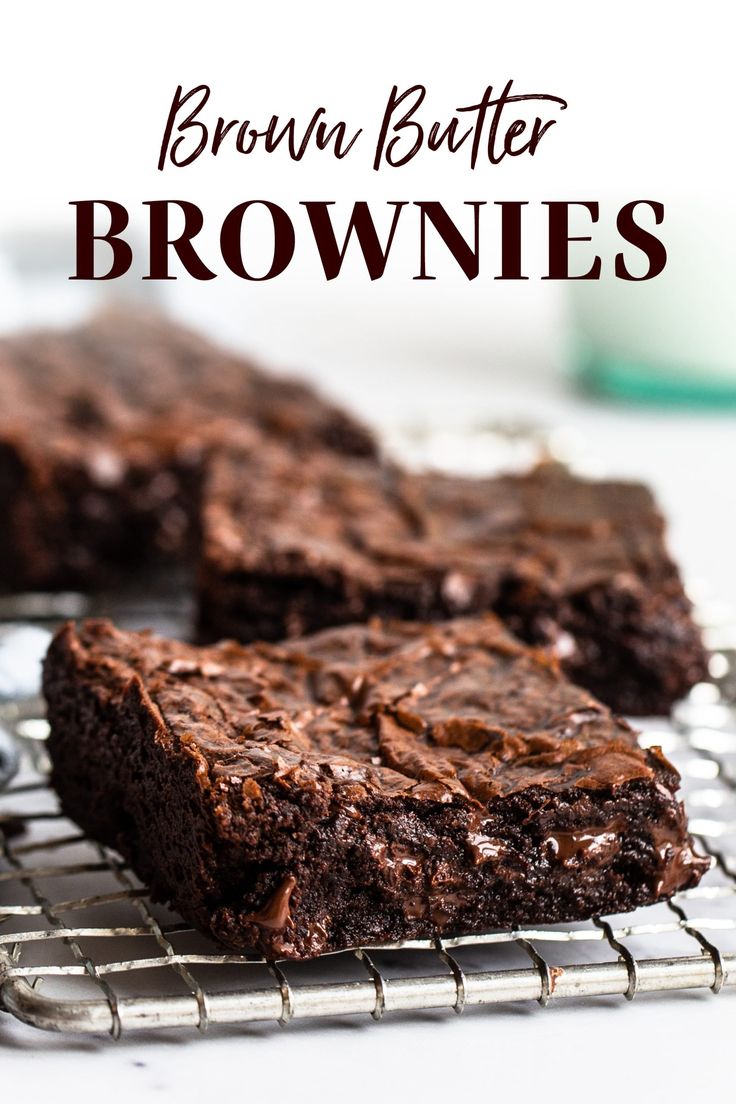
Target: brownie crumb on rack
(365,785)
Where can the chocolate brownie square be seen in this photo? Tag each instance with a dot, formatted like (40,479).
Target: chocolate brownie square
(368,784)
(104,430)
(295,545)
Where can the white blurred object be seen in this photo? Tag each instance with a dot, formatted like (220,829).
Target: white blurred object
(10,295)
(35,288)
(22,649)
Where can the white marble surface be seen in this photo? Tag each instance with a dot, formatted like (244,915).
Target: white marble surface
(606,1051)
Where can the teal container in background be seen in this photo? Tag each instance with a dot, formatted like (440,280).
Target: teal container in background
(611,375)
(670,340)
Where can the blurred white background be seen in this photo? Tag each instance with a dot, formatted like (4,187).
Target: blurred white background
(85,98)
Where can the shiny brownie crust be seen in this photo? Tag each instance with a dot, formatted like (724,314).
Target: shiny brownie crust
(366,785)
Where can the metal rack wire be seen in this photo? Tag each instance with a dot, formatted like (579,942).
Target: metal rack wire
(84,949)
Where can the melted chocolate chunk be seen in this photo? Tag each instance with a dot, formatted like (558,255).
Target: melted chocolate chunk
(367,784)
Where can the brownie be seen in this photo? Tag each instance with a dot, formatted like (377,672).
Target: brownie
(366,785)
(104,430)
(292,546)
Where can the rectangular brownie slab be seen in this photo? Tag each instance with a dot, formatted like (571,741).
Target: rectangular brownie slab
(368,784)
(291,546)
(104,430)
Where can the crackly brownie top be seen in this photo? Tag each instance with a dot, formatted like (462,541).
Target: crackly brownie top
(458,711)
(127,371)
(379,525)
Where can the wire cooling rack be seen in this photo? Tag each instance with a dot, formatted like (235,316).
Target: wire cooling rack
(83,948)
